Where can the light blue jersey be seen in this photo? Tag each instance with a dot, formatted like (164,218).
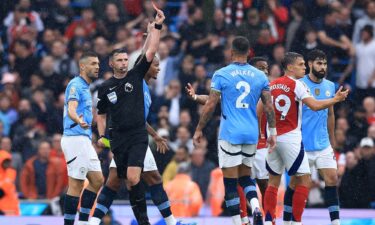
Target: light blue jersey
(240,86)
(314,123)
(146,93)
(78,90)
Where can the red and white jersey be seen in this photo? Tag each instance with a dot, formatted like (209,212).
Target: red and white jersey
(262,141)
(287,95)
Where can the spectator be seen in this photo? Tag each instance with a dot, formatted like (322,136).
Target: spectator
(8,115)
(52,80)
(9,204)
(111,22)
(334,40)
(201,170)
(41,175)
(367,164)
(56,152)
(265,42)
(184,195)
(87,22)
(369,106)
(365,67)
(216,192)
(297,27)
(276,16)
(60,15)
(183,138)
(102,48)
(368,19)
(6,145)
(181,155)
(251,27)
(64,65)
(26,135)
(352,187)
(25,63)
(310,42)
(371,132)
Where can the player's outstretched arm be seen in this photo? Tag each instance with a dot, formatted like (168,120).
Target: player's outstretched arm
(208,110)
(72,113)
(155,35)
(270,115)
(150,26)
(317,105)
(161,143)
(201,99)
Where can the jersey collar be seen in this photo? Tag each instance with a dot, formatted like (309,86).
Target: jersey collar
(84,81)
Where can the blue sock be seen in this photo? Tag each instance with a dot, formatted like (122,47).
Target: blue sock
(160,199)
(104,202)
(87,201)
(288,200)
(70,209)
(332,202)
(248,186)
(232,201)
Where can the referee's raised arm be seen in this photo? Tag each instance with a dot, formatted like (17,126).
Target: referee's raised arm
(154,35)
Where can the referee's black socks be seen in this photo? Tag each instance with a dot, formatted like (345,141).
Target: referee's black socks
(138,203)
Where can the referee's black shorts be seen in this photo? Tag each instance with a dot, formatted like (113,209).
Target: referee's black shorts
(129,149)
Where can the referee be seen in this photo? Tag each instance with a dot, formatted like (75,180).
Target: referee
(122,100)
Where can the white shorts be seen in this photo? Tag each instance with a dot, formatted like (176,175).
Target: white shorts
(234,155)
(324,159)
(259,170)
(289,156)
(80,156)
(149,163)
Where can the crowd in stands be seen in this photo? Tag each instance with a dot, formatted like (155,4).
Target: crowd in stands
(42,40)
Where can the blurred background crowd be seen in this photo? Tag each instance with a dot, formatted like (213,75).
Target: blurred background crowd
(42,40)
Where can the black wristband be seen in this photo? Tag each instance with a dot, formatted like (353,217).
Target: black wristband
(101,136)
(158,26)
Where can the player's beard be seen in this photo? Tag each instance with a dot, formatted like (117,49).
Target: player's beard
(318,74)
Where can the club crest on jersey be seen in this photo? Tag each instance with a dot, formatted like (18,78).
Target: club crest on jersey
(128,87)
(112,97)
(328,93)
(317,91)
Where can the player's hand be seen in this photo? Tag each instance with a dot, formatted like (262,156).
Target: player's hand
(197,137)
(159,18)
(271,143)
(100,142)
(341,95)
(82,123)
(190,91)
(161,144)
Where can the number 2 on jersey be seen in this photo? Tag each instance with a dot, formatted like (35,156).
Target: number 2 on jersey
(246,92)
(284,109)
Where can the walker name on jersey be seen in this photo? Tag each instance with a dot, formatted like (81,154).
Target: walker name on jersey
(242,72)
(280,86)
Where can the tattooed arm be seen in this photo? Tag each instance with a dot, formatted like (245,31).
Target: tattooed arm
(268,108)
(270,114)
(208,110)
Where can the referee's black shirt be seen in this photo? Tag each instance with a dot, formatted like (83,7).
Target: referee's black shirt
(123,99)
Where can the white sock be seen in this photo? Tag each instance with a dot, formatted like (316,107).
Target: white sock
(287,222)
(296,223)
(82,222)
(268,223)
(335,222)
(254,203)
(245,220)
(237,220)
(170,220)
(94,221)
